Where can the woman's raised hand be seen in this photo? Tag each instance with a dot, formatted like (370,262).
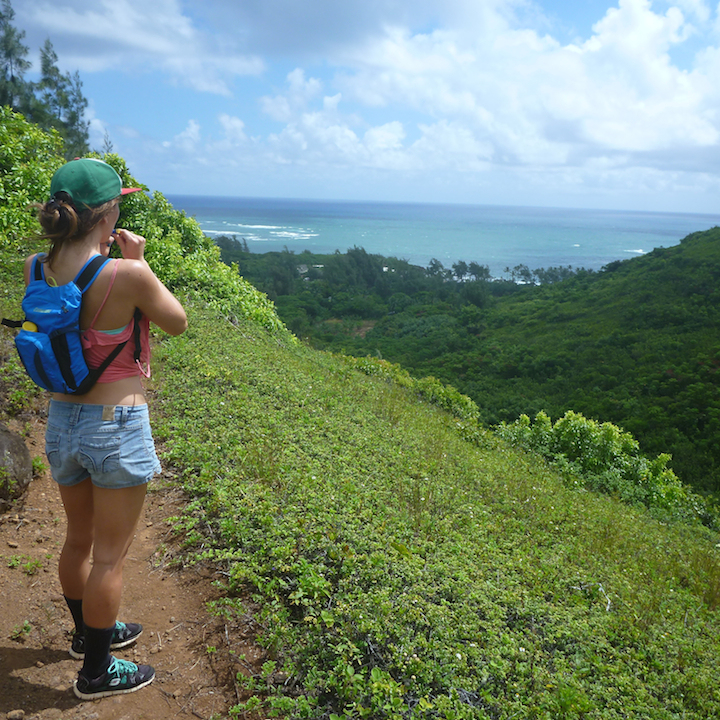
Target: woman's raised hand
(132,246)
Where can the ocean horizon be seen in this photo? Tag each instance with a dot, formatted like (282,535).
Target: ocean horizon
(497,236)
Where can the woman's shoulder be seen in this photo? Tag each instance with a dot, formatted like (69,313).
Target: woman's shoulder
(135,272)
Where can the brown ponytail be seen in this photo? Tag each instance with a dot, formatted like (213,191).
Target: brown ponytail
(62,223)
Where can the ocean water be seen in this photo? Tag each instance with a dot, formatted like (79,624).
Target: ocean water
(499,237)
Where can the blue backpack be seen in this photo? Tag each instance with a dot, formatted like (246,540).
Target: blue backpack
(49,342)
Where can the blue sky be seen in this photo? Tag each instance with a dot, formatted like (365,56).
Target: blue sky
(588,103)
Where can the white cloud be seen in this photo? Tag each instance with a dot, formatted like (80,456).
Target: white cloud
(300,91)
(453,145)
(697,9)
(385,137)
(610,111)
(234,128)
(188,140)
(137,36)
(538,102)
(464,87)
(633,29)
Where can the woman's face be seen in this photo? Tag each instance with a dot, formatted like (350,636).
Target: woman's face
(114,214)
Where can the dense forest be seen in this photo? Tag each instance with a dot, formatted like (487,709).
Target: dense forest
(635,344)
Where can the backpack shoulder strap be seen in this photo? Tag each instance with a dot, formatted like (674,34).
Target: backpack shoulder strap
(37,272)
(107,294)
(89,272)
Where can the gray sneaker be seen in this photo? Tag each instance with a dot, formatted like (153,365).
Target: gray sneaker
(120,678)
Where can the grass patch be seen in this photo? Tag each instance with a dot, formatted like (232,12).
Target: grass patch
(405,570)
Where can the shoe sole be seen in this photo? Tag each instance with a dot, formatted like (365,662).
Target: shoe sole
(109,693)
(114,646)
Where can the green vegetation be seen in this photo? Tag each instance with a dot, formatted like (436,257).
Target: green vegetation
(38,466)
(407,562)
(20,632)
(635,344)
(28,159)
(25,563)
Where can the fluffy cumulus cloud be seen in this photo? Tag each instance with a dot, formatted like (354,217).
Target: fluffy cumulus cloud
(695,9)
(419,87)
(234,128)
(188,140)
(487,92)
(300,92)
(537,101)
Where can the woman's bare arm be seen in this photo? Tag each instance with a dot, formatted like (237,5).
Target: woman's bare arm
(145,289)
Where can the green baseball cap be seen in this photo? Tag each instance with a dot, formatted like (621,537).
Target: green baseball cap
(88,182)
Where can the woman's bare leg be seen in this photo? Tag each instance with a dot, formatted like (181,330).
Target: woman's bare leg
(116,514)
(75,557)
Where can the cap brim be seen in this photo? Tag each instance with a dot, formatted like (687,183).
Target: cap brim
(126,191)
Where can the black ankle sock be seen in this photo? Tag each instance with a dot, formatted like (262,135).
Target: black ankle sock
(97,651)
(76,612)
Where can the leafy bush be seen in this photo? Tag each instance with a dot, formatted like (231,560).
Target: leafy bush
(28,159)
(608,460)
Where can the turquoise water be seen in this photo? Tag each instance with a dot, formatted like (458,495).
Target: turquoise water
(499,237)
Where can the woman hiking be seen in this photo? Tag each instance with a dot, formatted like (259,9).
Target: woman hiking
(99,444)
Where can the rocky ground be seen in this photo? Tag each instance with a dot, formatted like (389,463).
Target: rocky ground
(196,655)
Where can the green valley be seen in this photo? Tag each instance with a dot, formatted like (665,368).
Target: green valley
(635,344)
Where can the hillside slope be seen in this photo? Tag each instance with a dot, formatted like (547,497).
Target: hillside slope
(408,562)
(636,344)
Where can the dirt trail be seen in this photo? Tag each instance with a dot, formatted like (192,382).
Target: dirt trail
(195,655)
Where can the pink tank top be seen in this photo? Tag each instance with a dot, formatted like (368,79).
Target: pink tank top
(97,345)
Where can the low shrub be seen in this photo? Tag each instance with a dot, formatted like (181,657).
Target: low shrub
(604,458)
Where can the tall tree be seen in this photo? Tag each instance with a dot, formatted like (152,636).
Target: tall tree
(14,91)
(479,272)
(61,95)
(460,270)
(55,102)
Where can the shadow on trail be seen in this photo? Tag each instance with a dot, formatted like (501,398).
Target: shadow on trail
(19,693)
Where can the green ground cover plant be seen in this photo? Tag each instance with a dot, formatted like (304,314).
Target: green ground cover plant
(407,567)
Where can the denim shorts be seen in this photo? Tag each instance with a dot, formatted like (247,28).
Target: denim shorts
(112,444)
